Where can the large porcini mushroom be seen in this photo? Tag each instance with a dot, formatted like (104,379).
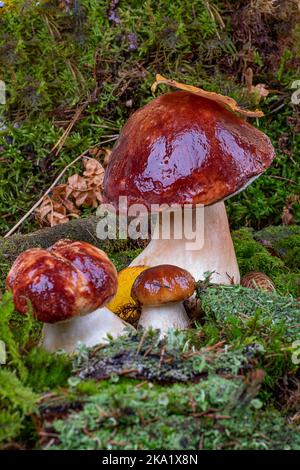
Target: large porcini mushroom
(182,148)
(160,292)
(67,286)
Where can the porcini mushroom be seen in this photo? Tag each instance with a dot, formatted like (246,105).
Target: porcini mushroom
(182,148)
(67,286)
(160,292)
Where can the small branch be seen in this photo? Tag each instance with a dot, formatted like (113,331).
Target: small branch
(61,141)
(282,178)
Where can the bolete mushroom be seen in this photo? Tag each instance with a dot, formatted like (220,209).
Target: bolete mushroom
(67,286)
(183,149)
(160,292)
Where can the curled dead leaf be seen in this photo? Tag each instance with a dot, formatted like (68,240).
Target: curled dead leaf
(221,99)
(66,199)
(92,167)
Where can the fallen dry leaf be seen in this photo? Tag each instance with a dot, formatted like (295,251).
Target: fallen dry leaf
(221,99)
(51,213)
(287,213)
(66,199)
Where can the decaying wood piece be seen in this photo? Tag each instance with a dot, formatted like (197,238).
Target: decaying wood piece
(83,229)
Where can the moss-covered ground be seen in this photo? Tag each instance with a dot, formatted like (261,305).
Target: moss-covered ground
(232,381)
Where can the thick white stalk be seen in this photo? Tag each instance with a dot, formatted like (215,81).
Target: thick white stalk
(164,317)
(216,253)
(90,329)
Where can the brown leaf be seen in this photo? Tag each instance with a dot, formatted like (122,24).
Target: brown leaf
(221,99)
(92,167)
(76,183)
(287,217)
(80,198)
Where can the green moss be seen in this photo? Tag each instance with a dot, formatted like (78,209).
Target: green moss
(47,371)
(7,336)
(225,302)
(246,317)
(51,62)
(252,256)
(36,368)
(287,283)
(126,416)
(121,355)
(16,402)
(122,258)
(273,251)
(285,241)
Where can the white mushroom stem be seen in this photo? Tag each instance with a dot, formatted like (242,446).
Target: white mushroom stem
(163,317)
(90,329)
(216,253)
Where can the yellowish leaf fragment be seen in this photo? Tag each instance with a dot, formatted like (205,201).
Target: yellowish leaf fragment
(221,99)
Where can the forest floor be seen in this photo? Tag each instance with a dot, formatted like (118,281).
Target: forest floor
(74,72)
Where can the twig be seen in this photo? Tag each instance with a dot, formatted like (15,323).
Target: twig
(162,355)
(282,178)
(201,442)
(61,141)
(12,230)
(215,346)
(138,350)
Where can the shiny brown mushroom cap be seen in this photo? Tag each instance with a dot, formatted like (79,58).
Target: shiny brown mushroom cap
(69,279)
(182,148)
(162,284)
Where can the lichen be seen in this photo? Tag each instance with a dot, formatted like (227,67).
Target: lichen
(140,416)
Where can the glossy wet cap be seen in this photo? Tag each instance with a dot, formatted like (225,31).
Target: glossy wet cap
(163,284)
(70,278)
(182,148)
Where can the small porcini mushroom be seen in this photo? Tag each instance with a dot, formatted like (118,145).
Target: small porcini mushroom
(67,286)
(180,149)
(160,292)
(257,280)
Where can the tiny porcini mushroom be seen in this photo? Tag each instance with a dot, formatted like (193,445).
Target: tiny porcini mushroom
(257,280)
(182,148)
(160,292)
(67,285)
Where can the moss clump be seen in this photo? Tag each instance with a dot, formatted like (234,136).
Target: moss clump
(249,317)
(122,258)
(129,416)
(164,361)
(269,309)
(274,251)
(8,334)
(252,256)
(20,333)
(285,241)
(16,402)
(47,371)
